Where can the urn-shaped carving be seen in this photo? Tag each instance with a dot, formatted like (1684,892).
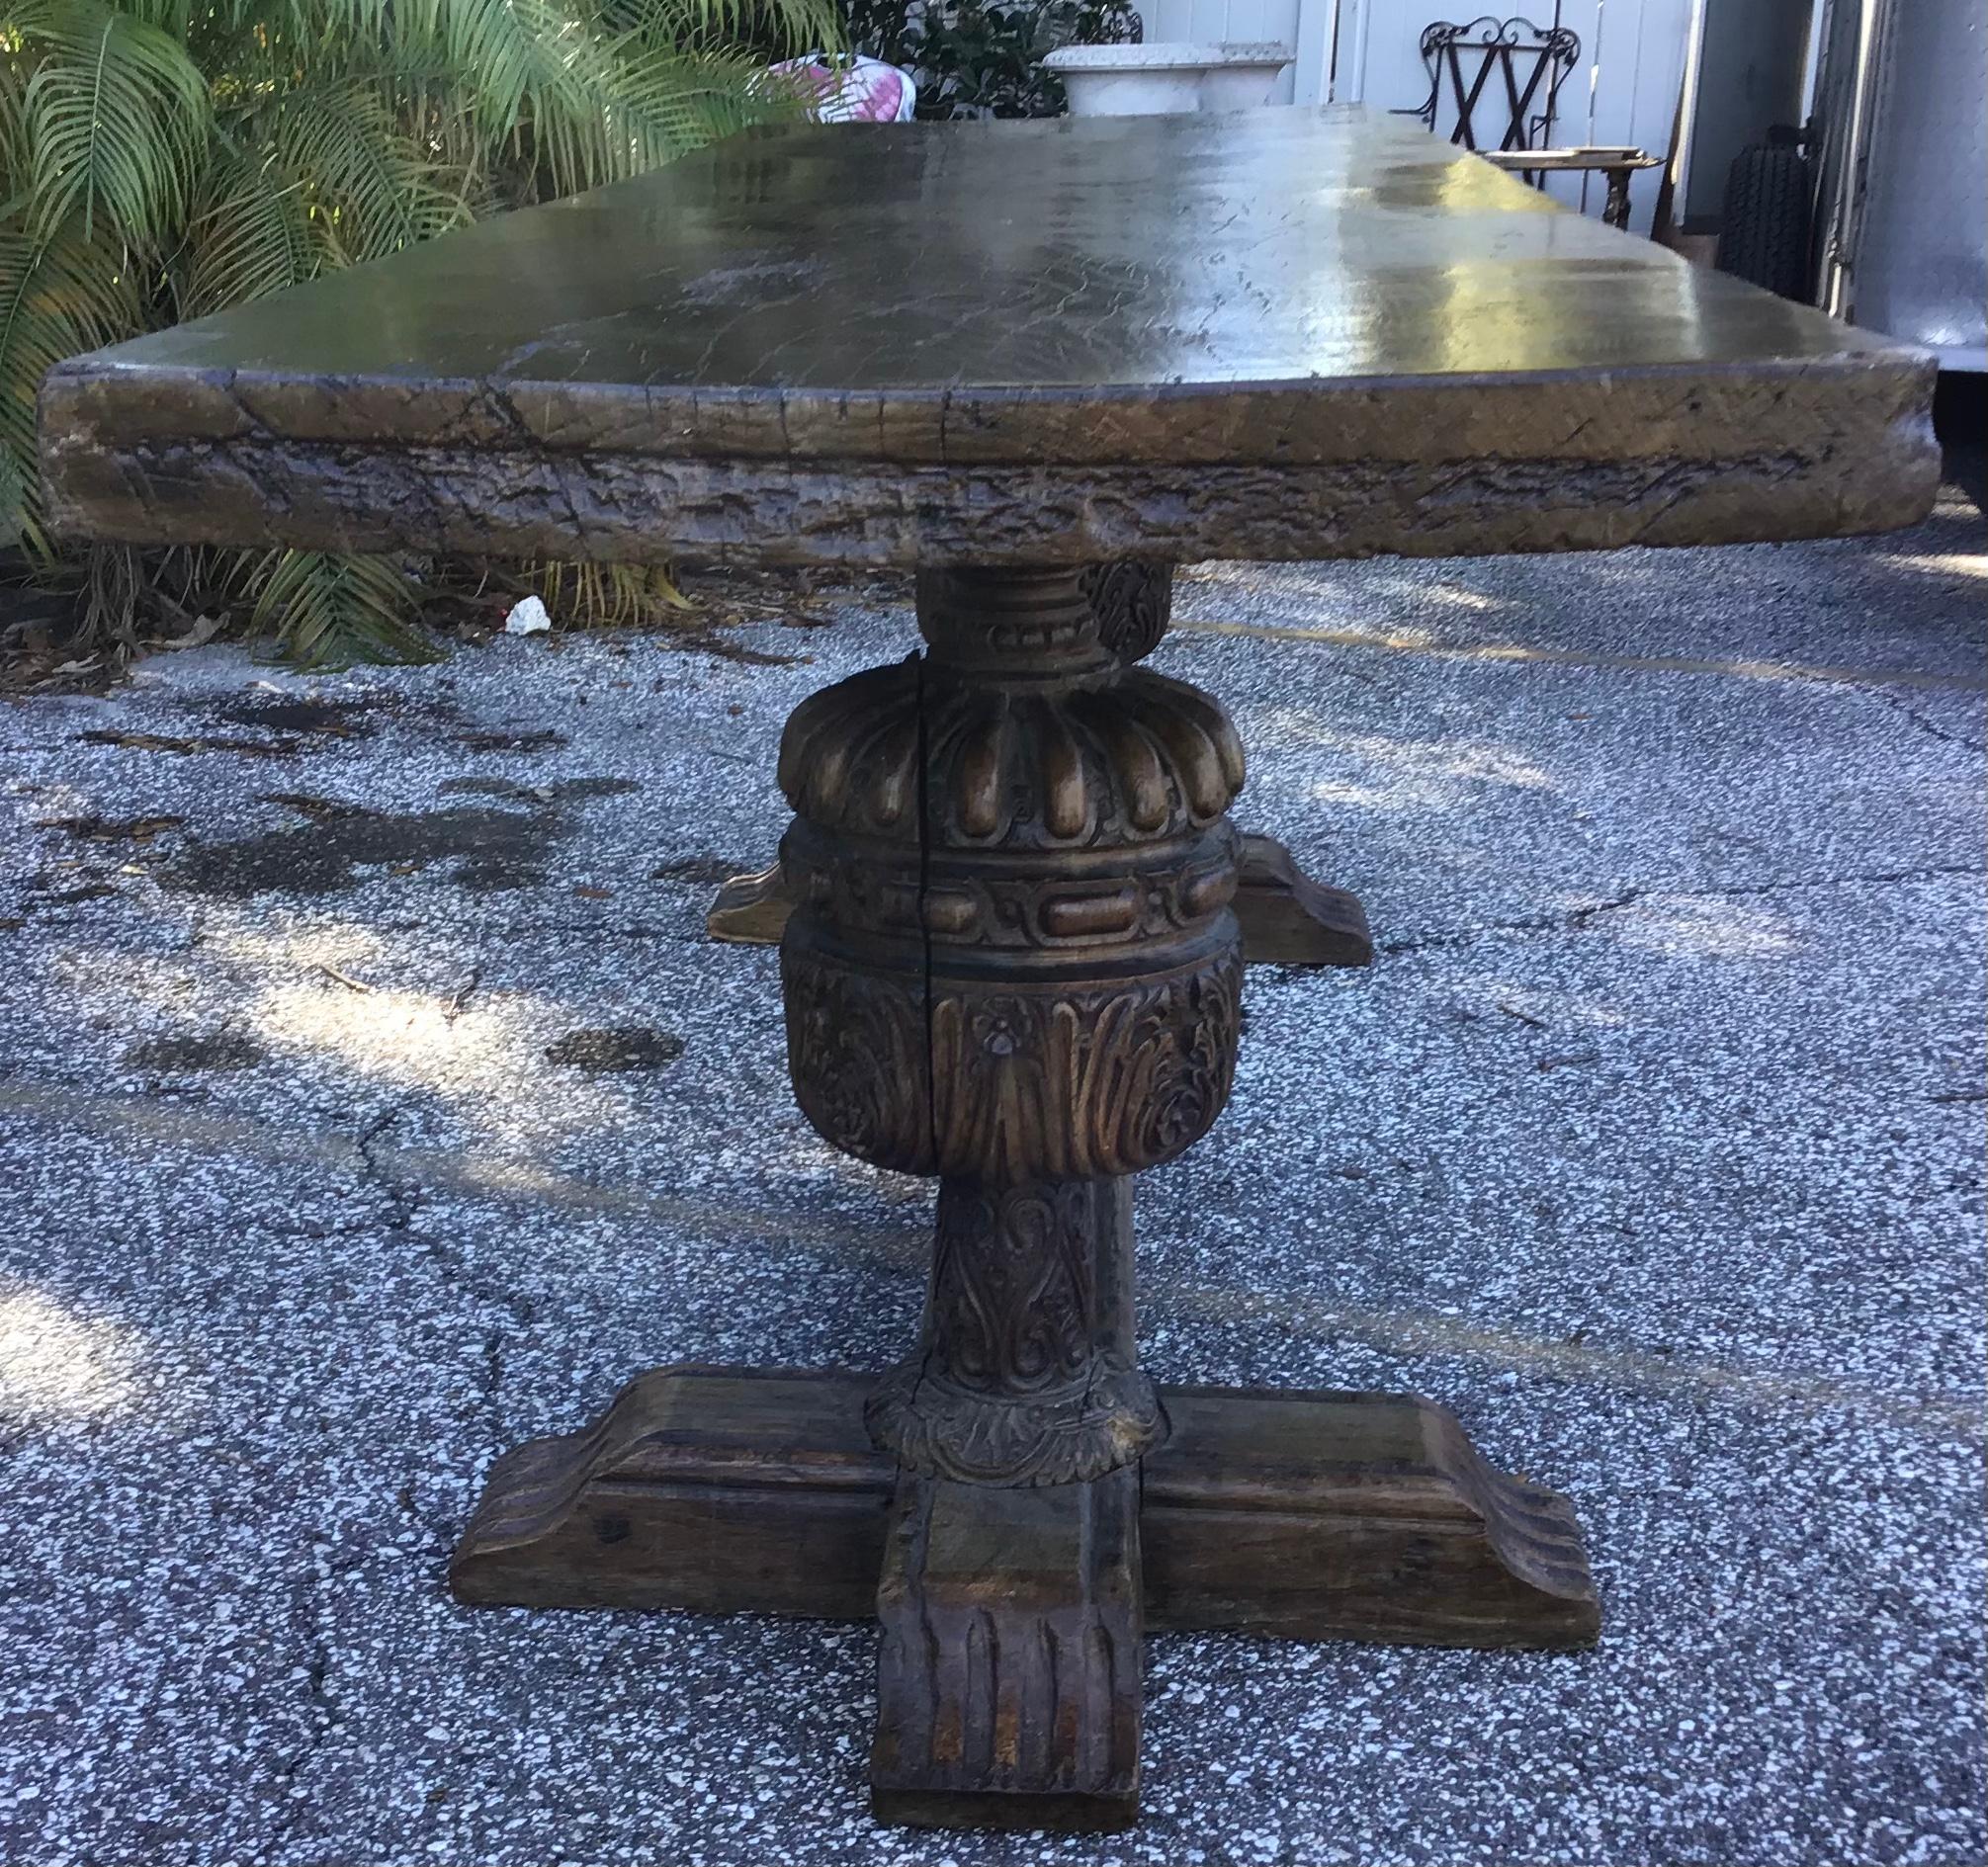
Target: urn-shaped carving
(1013,953)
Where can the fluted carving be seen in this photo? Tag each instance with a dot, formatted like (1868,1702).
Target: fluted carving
(1118,759)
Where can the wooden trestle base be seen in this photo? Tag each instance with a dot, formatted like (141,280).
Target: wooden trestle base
(1014,917)
(1009,1672)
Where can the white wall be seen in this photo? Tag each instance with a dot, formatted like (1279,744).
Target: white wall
(1623,89)
(1210,22)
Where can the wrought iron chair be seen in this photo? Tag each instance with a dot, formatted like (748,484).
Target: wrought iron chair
(1529,63)
(1527,59)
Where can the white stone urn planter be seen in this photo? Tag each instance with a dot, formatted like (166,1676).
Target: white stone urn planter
(1149,80)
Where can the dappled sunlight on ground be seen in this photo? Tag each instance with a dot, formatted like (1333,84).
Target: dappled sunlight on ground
(1453,596)
(1714,929)
(1381,773)
(58,1363)
(316,1000)
(348,946)
(1528,1005)
(1972,565)
(52,801)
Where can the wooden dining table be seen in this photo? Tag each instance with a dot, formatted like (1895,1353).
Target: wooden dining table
(1016,359)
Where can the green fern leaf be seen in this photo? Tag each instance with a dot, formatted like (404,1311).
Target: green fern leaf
(329,612)
(248,235)
(58,296)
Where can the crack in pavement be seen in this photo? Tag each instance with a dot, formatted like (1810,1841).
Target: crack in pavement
(402,1200)
(1579,918)
(1932,728)
(320,1704)
(404,1193)
(905,1251)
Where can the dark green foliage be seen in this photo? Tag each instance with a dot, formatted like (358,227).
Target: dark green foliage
(161,159)
(974,60)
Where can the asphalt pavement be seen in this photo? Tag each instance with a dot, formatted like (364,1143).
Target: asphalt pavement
(1652,1144)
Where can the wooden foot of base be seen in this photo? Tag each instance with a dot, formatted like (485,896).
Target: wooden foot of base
(1287,918)
(750,910)
(1301,1514)
(1014,1706)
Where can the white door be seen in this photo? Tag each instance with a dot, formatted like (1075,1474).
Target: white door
(1623,88)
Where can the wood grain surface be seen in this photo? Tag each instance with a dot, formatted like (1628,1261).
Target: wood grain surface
(1272,334)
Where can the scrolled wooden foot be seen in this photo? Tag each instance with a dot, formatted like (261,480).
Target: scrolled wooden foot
(750,910)
(1286,917)
(712,1489)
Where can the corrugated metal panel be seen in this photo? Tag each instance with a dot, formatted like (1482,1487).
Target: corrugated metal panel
(1919,268)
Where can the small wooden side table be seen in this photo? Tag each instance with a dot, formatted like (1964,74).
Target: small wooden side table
(1616,165)
(1007,354)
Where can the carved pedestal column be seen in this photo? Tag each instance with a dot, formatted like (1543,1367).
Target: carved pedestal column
(1014,964)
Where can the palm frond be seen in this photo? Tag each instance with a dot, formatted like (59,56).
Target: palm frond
(162,159)
(609,596)
(533,58)
(664,103)
(116,117)
(325,611)
(59,294)
(371,191)
(248,235)
(788,27)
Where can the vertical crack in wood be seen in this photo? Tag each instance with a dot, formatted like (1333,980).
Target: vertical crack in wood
(924,792)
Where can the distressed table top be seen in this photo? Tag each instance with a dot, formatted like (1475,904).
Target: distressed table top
(1280,333)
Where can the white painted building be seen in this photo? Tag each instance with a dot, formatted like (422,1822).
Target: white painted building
(1624,87)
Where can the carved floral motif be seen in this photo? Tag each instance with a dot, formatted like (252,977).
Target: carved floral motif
(1065,1080)
(1133,600)
(856,1050)
(1027,1374)
(1073,1082)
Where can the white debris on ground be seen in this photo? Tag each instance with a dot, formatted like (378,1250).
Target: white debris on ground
(528,616)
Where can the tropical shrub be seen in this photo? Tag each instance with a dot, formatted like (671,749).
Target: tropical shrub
(164,158)
(971,60)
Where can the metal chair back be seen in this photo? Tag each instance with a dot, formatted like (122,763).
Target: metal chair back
(1497,78)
